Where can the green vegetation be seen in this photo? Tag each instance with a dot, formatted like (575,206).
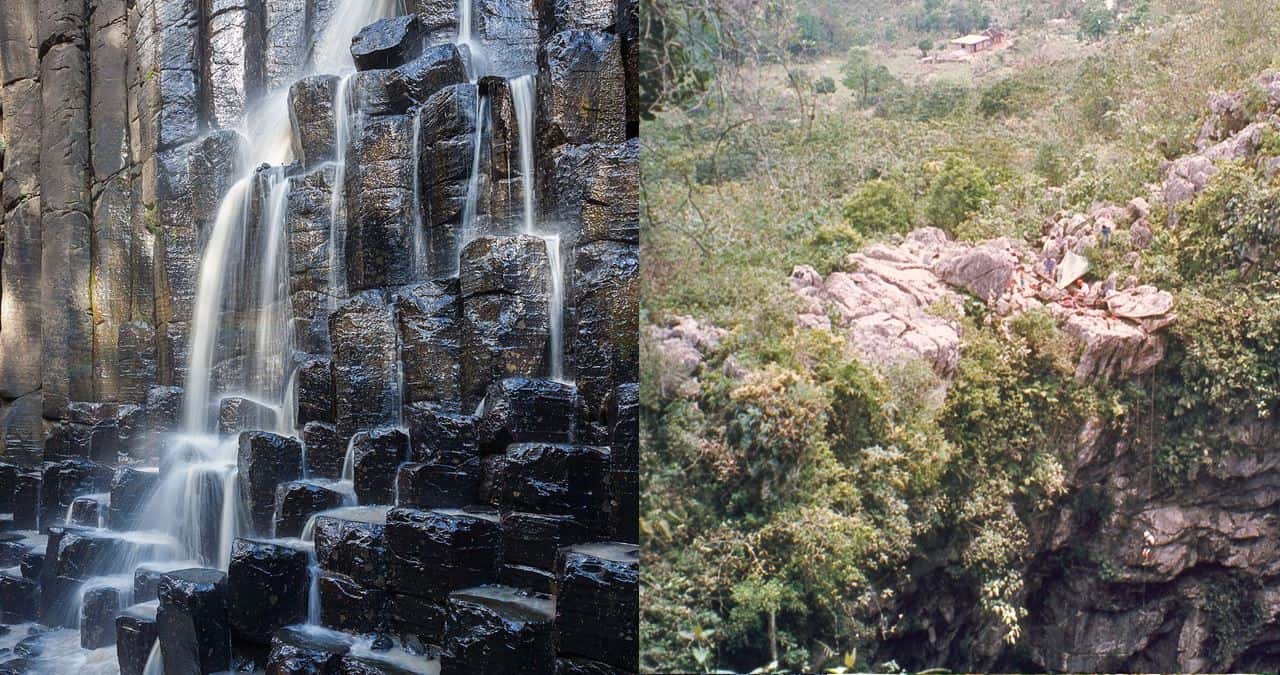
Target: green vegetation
(786,509)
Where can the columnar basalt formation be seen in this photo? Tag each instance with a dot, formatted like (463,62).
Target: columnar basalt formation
(318,333)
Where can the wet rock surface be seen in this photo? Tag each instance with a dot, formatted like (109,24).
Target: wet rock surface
(97,617)
(517,410)
(597,606)
(192,621)
(297,650)
(266,588)
(352,542)
(264,461)
(377,457)
(136,632)
(387,43)
(495,629)
(432,553)
(296,502)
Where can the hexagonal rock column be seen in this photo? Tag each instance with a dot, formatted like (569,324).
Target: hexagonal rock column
(19,598)
(264,461)
(380,204)
(435,552)
(130,490)
(98,616)
(350,549)
(518,410)
(365,369)
(378,455)
(606,350)
(387,43)
(192,621)
(446,151)
(136,632)
(26,501)
(294,650)
(311,114)
(506,321)
(497,629)
(598,603)
(267,588)
(297,501)
(428,315)
(568,480)
(324,455)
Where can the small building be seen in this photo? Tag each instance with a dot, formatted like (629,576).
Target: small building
(973,43)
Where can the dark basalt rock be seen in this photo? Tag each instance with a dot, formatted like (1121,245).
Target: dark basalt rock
(606,345)
(136,632)
(164,408)
(562,479)
(598,603)
(506,320)
(32,564)
(8,484)
(298,651)
(441,436)
(428,315)
(496,629)
(388,43)
(192,621)
(105,443)
(533,539)
(568,665)
(380,204)
(346,605)
(315,391)
(264,461)
(12,548)
(267,588)
(146,584)
(587,99)
(518,410)
(624,487)
(586,14)
(85,553)
(26,501)
(324,455)
(534,579)
(311,113)
(417,617)
(436,486)
(236,414)
(365,370)
(438,67)
(446,151)
(595,190)
(64,481)
(130,490)
(378,455)
(137,364)
(297,501)
(372,95)
(19,599)
(352,542)
(88,511)
(438,551)
(98,617)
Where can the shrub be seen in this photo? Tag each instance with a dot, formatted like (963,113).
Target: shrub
(956,193)
(865,77)
(825,85)
(880,206)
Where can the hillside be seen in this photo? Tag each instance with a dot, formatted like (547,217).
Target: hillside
(885,425)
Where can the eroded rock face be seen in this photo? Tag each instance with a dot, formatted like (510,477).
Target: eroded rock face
(387,43)
(264,461)
(267,588)
(498,629)
(597,608)
(192,621)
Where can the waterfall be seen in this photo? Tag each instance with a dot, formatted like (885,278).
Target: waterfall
(274,340)
(556,309)
(345,117)
(522,97)
(473,182)
(420,265)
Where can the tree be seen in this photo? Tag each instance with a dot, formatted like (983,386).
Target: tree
(925,45)
(1095,21)
(864,76)
(956,193)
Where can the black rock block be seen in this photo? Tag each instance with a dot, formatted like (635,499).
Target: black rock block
(13,546)
(32,564)
(587,88)
(428,315)
(624,487)
(164,408)
(351,542)
(324,454)
(89,511)
(435,552)
(421,618)
(535,579)
(82,553)
(624,433)
(497,629)
(568,665)
(296,502)
(606,295)
(388,43)
(493,468)
(130,490)
(19,599)
(236,414)
(596,190)
(438,67)
(136,634)
(378,455)
(365,368)
(146,584)
(561,479)
(438,486)
(105,442)
(298,651)
(192,621)
(315,391)
(98,617)
(533,539)
(311,112)
(347,606)
(519,410)
(440,436)
(65,480)
(264,461)
(8,485)
(26,501)
(267,586)
(598,603)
